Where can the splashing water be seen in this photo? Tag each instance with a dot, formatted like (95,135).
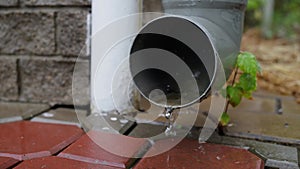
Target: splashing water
(170,130)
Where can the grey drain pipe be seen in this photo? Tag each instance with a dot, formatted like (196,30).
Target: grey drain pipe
(196,33)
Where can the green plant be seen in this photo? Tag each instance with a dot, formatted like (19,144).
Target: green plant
(248,65)
(254,4)
(253,15)
(286,18)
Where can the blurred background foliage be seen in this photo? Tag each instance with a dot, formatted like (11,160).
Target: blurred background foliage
(285,21)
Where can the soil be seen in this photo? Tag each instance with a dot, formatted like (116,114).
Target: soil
(280,61)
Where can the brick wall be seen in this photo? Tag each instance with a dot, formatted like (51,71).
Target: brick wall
(39,44)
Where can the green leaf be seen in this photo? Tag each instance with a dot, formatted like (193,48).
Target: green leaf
(225,119)
(247,63)
(247,82)
(234,95)
(247,95)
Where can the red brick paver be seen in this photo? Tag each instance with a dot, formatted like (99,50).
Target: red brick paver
(6,162)
(85,149)
(192,155)
(57,163)
(26,140)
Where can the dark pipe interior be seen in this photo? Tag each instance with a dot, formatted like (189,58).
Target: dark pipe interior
(151,79)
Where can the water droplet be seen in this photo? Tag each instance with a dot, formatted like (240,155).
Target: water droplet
(197,74)
(103,114)
(123,121)
(230,125)
(168,112)
(168,115)
(113,118)
(170,131)
(105,128)
(47,114)
(168,88)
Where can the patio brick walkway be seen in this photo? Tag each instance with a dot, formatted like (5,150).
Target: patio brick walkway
(37,145)
(41,141)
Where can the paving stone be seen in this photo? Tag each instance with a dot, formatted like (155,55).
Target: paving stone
(290,107)
(61,116)
(48,81)
(276,155)
(145,130)
(257,105)
(8,3)
(6,162)
(14,111)
(27,33)
(56,2)
(281,164)
(191,154)
(71,32)
(85,149)
(8,79)
(27,140)
(271,95)
(57,162)
(256,119)
(108,122)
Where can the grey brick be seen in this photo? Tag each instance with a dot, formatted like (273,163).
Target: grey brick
(62,116)
(81,83)
(8,2)
(56,2)
(15,111)
(111,123)
(47,81)
(27,33)
(8,79)
(257,119)
(71,32)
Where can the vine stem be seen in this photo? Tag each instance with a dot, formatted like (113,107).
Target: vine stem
(233,81)
(220,127)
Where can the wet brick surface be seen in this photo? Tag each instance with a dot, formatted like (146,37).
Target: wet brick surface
(26,140)
(191,154)
(6,162)
(57,163)
(85,149)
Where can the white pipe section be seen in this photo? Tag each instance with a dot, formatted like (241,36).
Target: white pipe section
(109,28)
